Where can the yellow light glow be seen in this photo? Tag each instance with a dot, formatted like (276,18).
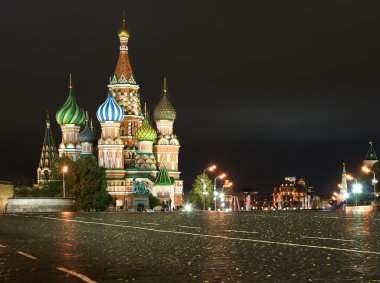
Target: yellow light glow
(365,169)
(212,168)
(64,169)
(222,176)
(349,177)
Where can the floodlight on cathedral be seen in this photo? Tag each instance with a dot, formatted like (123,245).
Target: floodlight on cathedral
(110,111)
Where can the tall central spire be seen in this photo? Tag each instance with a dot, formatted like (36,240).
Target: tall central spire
(123,72)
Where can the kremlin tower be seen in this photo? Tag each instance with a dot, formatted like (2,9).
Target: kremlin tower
(48,153)
(130,148)
(343,185)
(371,157)
(70,117)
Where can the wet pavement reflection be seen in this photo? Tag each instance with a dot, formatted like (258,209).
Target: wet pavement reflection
(296,246)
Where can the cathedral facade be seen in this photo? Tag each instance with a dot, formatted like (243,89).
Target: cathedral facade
(130,148)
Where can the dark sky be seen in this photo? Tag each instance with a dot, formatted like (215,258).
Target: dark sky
(264,88)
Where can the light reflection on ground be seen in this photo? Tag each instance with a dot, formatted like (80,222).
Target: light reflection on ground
(294,246)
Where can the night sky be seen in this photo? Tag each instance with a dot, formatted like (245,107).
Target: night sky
(266,89)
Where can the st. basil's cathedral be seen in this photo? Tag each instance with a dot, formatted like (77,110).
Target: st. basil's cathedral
(129,147)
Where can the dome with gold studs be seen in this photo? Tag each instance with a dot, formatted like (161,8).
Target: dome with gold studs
(146,132)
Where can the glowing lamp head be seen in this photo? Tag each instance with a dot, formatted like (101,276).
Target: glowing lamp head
(357,188)
(349,177)
(212,168)
(65,169)
(222,176)
(365,169)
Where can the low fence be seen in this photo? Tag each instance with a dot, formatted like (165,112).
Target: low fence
(17,205)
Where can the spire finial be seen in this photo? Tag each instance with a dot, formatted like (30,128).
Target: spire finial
(70,83)
(123,32)
(86,116)
(165,86)
(370,142)
(47,115)
(91,125)
(145,112)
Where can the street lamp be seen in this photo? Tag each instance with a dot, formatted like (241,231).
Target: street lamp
(366,170)
(357,189)
(64,170)
(221,176)
(211,168)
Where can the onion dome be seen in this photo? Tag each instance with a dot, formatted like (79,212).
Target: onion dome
(123,32)
(164,110)
(87,133)
(146,132)
(110,111)
(70,112)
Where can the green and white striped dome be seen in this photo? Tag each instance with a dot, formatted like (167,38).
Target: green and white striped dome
(70,112)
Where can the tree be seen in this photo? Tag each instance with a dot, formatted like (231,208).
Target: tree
(153,201)
(196,193)
(86,182)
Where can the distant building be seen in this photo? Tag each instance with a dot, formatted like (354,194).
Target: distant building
(294,194)
(371,156)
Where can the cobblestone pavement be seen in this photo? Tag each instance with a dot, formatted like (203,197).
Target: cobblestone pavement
(296,246)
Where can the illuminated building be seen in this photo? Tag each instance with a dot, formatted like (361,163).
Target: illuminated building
(129,146)
(295,195)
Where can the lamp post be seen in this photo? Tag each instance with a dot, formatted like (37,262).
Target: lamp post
(221,176)
(365,169)
(357,189)
(211,168)
(64,170)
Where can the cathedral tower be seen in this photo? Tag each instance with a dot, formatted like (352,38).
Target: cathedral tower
(110,145)
(48,153)
(87,137)
(167,146)
(145,135)
(70,117)
(126,92)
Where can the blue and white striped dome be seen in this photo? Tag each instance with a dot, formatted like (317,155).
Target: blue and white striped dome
(110,111)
